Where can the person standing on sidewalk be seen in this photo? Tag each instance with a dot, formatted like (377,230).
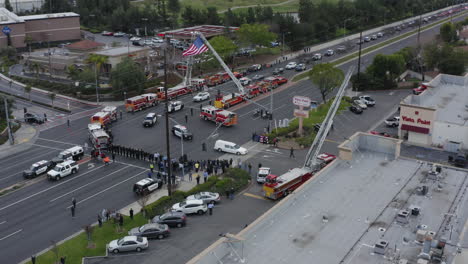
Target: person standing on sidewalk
(205,176)
(74,202)
(72,208)
(291,153)
(210,207)
(68,122)
(131,213)
(113,157)
(99,219)
(151,167)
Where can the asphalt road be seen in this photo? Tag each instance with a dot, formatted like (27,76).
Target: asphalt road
(42,208)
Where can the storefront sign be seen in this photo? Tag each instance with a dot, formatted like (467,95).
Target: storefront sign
(301,113)
(418,120)
(301,101)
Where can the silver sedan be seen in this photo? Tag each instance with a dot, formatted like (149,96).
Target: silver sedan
(206,197)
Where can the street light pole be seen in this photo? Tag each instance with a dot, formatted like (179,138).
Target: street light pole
(10,135)
(168,148)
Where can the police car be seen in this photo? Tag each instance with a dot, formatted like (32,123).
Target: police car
(182,131)
(147,186)
(175,106)
(37,169)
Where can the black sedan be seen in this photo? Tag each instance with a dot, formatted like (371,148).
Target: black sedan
(172,219)
(158,231)
(355,109)
(33,118)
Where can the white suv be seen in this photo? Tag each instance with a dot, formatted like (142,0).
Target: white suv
(190,207)
(63,169)
(291,65)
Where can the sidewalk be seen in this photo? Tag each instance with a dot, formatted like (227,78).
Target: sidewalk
(26,135)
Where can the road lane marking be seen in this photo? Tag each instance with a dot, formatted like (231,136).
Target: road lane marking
(56,141)
(2,222)
(25,161)
(65,194)
(16,232)
(47,147)
(50,188)
(256,196)
(96,194)
(9,176)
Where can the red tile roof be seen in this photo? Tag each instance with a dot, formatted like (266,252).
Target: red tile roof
(84,45)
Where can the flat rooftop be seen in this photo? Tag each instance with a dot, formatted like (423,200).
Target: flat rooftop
(7,17)
(340,214)
(449,95)
(119,51)
(46,16)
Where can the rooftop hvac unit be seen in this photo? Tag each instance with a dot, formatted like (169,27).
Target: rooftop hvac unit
(380,247)
(402,217)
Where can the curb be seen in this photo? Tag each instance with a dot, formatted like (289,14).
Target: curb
(13,149)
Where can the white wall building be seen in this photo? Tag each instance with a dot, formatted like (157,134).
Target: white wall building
(23,5)
(437,117)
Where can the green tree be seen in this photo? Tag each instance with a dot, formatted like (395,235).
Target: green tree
(385,69)
(326,77)
(28,89)
(97,61)
(127,76)
(8,5)
(223,46)
(174,6)
(257,34)
(448,32)
(212,17)
(455,63)
(56,6)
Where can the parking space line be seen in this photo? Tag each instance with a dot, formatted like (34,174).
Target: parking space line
(255,196)
(5,237)
(96,194)
(65,194)
(47,189)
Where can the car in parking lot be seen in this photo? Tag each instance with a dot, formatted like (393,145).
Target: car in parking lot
(384,134)
(206,197)
(182,132)
(201,96)
(33,118)
(360,103)
(258,77)
(369,101)
(380,34)
(172,219)
(175,106)
(150,120)
(157,40)
(119,34)
(278,71)
(254,67)
(393,122)
(37,169)
(317,56)
(291,65)
(355,109)
(107,33)
(147,185)
(190,207)
(128,243)
(367,39)
(300,67)
(135,39)
(152,230)
(329,52)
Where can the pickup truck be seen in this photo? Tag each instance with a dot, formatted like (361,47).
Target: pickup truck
(423,87)
(393,122)
(63,169)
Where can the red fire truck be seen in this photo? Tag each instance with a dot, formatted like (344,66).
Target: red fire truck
(276,187)
(141,102)
(102,118)
(219,116)
(229,100)
(265,86)
(174,92)
(276,80)
(112,110)
(214,80)
(252,91)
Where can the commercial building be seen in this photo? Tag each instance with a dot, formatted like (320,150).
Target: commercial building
(369,206)
(187,33)
(140,55)
(438,116)
(40,28)
(24,5)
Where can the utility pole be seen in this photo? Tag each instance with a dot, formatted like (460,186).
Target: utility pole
(97,87)
(419,49)
(270,117)
(282,47)
(168,148)
(359,58)
(10,135)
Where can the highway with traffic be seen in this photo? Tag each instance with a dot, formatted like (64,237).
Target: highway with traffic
(39,212)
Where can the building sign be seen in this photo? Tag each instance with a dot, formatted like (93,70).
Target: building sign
(6,30)
(301,101)
(301,113)
(418,121)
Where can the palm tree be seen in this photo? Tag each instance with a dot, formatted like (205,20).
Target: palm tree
(35,67)
(27,89)
(98,61)
(52,98)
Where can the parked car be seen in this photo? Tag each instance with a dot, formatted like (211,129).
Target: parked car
(245,81)
(384,134)
(135,39)
(355,109)
(190,207)
(201,96)
(373,37)
(360,103)
(300,67)
(460,161)
(420,89)
(175,106)
(150,120)
(206,197)
(341,49)
(172,219)
(278,71)
(107,33)
(37,169)
(369,101)
(258,77)
(255,67)
(63,169)
(329,52)
(128,243)
(317,56)
(367,39)
(393,122)
(146,186)
(33,118)
(158,231)
(291,65)
(380,34)
(229,147)
(119,34)
(182,131)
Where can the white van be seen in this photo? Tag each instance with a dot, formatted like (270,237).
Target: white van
(73,153)
(229,147)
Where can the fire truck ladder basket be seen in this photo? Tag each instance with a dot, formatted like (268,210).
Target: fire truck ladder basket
(311,158)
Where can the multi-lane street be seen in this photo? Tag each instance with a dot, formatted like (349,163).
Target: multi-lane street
(39,212)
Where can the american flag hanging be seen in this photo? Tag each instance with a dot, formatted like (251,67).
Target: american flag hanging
(196,48)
